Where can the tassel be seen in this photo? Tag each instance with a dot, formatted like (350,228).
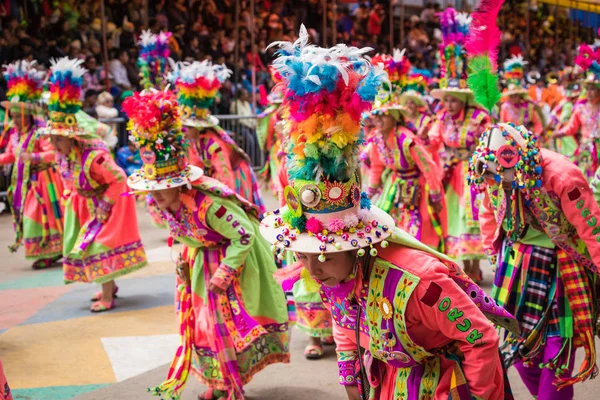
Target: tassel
(588,369)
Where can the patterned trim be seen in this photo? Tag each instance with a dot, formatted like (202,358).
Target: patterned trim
(52,248)
(105,205)
(314,319)
(223,276)
(347,367)
(107,266)
(430,379)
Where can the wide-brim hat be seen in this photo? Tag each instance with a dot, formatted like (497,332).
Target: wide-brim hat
(590,77)
(138,181)
(378,226)
(16,103)
(414,96)
(573,90)
(78,125)
(192,122)
(464,95)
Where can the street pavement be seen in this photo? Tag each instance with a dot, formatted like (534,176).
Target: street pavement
(53,348)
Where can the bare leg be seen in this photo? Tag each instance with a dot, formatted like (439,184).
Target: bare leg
(107,291)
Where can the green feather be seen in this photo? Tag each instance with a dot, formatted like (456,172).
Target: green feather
(483,82)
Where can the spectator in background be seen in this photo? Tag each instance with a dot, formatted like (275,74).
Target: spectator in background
(128,158)
(92,79)
(118,70)
(90,97)
(375,22)
(361,18)
(344,24)
(243,108)
(105,110)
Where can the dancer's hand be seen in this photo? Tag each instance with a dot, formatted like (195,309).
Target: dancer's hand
(101,215)
(26,157)
(352,392)
(215,289)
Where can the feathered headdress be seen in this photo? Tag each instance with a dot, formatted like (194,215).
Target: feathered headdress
(397,67)
(482,47)
(325,92)
(453,56)
(66,79)
(155,127)
(153,59)
(197,86)
(589,61)
(25,83)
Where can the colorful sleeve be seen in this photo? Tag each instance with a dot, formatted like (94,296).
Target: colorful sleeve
(376,169)
(105,171)
(488,227)
(347,355)
(566,112)
(8,157)
(445,309)
(429,169)
(580,207)
(46,153)
(539,121)
(573,125)
(219,160)
(433,141)
(231,221)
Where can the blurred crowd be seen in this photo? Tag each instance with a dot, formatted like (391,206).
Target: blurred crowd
(205,29)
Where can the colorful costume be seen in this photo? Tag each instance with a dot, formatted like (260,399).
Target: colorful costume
(94,250)
(411,180)
(585,119)
(455,137)
(414,90)
(561,114)
(5,393)
(153,60)
(526,112)
(542,236)
(214,151)
(406,325)
(36,187)
(225,338)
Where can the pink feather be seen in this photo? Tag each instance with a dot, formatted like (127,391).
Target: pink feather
(485,34)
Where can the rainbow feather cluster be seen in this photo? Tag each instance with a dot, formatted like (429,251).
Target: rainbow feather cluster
(397,67)
(153,59)
(455,29)
(589,59)
(482,45)
(24,81)
(66,79)
(416,81)
(198,83)
(155,122)
(325,92)
(513,69)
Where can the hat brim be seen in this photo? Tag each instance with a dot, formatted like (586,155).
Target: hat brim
(210,122)
(71,133)
(464,95)
(137,182)
(507,93)
(391,107)
(417,98)
(19,104)
(309,244)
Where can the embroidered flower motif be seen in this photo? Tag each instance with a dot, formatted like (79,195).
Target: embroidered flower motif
(335,193)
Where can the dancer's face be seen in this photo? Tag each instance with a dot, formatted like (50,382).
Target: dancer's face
(412,107)
(453,105)
(384,123)
(191,133)
(514,98)
(335,269)
(593,91)
(167,199)
(62,144)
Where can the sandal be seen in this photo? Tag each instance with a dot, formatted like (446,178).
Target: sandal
(313,352)
(44,263)
(328,341)
(98,294)
(101,306)
(476,277)
(213,394)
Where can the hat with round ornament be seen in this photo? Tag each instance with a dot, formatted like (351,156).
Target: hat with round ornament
(397,67)
(507,153)
(325,92)
(25,84)
(155,128)
(64,101)
(197,86)
(569,77)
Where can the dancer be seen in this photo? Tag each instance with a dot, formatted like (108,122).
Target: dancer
(36,186)
(561,114)
(232,314)
(269,133)
(211,148)
(417,114)
(101,236)
(517,107)
(585,118)
(153,60)
(454,136)
(538,220)
(411,301)
(412,182)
